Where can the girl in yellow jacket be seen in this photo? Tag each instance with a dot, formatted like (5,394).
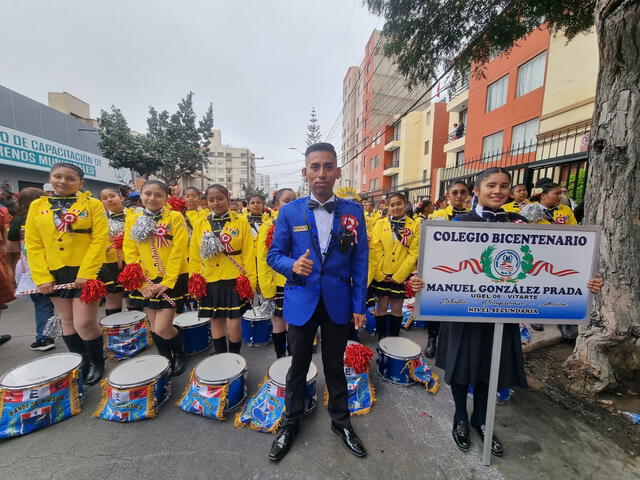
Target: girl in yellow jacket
(66,237)
(546,207)
(114,206)
(520,196)
(272,283)
(156,240)
(222,252)
(396,240)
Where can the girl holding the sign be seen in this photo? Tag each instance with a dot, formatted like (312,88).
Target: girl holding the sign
(464,350)
(155,250)
(222,265)
(66,237)
(395,243)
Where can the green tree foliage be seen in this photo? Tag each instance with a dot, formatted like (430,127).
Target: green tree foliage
(172,147)
(313,129)
(248,191)
(426,37)
(121,147)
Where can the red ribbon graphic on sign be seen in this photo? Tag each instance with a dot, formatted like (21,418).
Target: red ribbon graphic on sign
(472,264)
(541,266)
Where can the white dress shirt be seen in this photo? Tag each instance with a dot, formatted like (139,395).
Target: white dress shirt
(324,222)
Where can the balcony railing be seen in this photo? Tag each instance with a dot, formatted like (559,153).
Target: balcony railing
(455,90)
(457,133)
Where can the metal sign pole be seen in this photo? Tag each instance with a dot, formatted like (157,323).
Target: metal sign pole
(493,390)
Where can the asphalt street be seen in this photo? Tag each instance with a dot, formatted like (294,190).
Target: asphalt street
(407,434)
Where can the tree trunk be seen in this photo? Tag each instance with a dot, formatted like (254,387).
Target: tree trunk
(608,348)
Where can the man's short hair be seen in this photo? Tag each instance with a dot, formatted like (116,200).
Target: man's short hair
(321,147)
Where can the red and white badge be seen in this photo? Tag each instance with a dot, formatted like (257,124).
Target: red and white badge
(67,219)
(561,220)
(406,233)
(160,231)
(350,224)
(225,238)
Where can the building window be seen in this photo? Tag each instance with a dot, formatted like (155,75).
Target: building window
(428,118)
(394,182)
(220,179)
(243,163)
(395,158)
(228,155)
(462,116)
(497,93)
(220,154)
(426,147)
(531,74)
(425,176)
(492,146)
(243,155)
(459,158)
(523,137)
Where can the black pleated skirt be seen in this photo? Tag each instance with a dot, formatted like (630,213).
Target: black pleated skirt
(66,275)
(109,276)
(178,293)
(222,301)
(464,353)
(388,289)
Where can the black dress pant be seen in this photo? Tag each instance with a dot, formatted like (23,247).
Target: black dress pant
(480,400)
(433,328)
(334,341)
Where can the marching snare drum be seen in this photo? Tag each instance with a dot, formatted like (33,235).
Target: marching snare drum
(125,334)
(40,393)
(196,332)
(136,389)
(395,356)
(278,378)
(217,386)
(256,328)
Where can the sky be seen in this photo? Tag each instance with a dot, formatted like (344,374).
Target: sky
(262,63)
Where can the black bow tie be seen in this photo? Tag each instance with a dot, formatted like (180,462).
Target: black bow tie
(550,210)
(497,216)
(154,215)
(58,201)
(328,206)
(221,218)
(255,218)
(117,216)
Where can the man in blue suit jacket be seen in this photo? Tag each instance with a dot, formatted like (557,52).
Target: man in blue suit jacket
(320,245)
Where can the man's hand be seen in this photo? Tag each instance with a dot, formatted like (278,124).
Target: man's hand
(304,265)
(358,320)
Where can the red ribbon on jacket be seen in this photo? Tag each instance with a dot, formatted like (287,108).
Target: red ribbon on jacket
(225,238)
(350,224)
(67,219)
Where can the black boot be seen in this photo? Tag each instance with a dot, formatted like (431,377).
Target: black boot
(179,355)
(430,349)
(395,324)
(219,345)
(95,352)
(111,311)
(163,349)
(382,325)
(280,344)
(75,345)
(234,347)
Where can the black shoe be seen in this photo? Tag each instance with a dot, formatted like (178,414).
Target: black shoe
(95,352)
(461,435)
(496,445)
(75,345)
(350,440)
(179,355)
(4,338)
(282,443)
(568,332)
(430,349)
(43,345)
(538,327)
(163,349)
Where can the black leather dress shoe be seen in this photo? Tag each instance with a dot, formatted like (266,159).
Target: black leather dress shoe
(350,440)
(430,349)
(282,443)
(538,327)
(496,445)
(461,435)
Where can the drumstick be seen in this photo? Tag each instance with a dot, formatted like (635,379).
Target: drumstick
(63,286)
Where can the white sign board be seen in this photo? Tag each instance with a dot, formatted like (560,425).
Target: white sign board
(28,151)
(505,272)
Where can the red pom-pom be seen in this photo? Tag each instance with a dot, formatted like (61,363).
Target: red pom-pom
(178,204)
(408,291)
(197,286)
(117,241)
(358,356)
(131,277)
(243,288)
(269,240)
(92,291)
